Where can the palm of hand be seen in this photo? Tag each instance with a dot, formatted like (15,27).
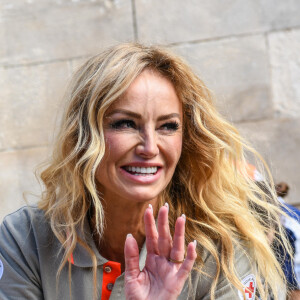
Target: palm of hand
(160,279)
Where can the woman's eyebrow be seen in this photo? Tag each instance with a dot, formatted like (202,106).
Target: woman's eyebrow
(168,116)
(125,112)
(138,116)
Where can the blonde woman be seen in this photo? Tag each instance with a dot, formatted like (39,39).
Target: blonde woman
(141,143)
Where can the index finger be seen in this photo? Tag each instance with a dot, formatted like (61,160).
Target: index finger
(151,231)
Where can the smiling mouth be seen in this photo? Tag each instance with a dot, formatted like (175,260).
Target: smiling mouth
(141,171)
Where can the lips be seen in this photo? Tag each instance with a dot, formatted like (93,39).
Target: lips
(141,171)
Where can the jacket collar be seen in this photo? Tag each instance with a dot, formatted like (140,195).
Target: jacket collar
(81,257)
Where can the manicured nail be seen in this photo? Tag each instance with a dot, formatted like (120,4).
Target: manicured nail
(167,206)
(195,243)
(183,216)
(150,206)
(128,235)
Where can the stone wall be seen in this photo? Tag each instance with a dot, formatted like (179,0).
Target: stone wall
(247,51)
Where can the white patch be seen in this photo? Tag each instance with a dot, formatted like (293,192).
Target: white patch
(258,176)
(1,268)
(249,284)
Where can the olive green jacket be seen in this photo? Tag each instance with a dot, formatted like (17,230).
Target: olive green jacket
(30,256)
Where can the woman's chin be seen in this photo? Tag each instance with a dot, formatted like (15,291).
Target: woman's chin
(141,195)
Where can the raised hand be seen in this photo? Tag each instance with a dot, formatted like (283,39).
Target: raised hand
(166,270)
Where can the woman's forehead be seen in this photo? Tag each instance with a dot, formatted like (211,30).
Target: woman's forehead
(149,90)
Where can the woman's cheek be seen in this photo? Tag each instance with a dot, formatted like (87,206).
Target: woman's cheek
(174,147)
(119,143)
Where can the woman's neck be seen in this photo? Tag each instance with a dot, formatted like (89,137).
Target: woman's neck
(121,218)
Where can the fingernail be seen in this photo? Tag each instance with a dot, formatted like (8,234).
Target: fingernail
(167,206)
(150,206)
(129,235)
(183,216)
(195,243)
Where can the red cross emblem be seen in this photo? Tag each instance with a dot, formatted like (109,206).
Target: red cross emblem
(249,284)
(249,290)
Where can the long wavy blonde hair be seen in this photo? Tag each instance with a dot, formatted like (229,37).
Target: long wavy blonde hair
(210,184)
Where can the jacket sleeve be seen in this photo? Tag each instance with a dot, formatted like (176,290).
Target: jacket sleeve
(245,269)
(19,264)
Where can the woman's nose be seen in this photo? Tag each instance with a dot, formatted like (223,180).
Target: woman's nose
(148,146)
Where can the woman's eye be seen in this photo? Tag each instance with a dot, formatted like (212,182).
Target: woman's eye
(170,126)
(123,124)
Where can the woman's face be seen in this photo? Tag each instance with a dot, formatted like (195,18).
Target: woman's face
(143,133)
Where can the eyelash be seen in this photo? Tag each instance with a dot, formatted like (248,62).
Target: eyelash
(121,124)
(172,126)
(126,124)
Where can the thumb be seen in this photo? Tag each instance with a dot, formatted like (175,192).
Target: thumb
(131,251)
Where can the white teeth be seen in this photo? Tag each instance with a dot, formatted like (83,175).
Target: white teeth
(141,170)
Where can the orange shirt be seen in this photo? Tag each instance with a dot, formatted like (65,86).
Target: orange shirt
(111,271)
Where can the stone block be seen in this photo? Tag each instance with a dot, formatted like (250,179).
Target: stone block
(278,141)
(280,14)
(17,176)
(163,21)
(237,71)
(31,103)
(36,31)
(285,68)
